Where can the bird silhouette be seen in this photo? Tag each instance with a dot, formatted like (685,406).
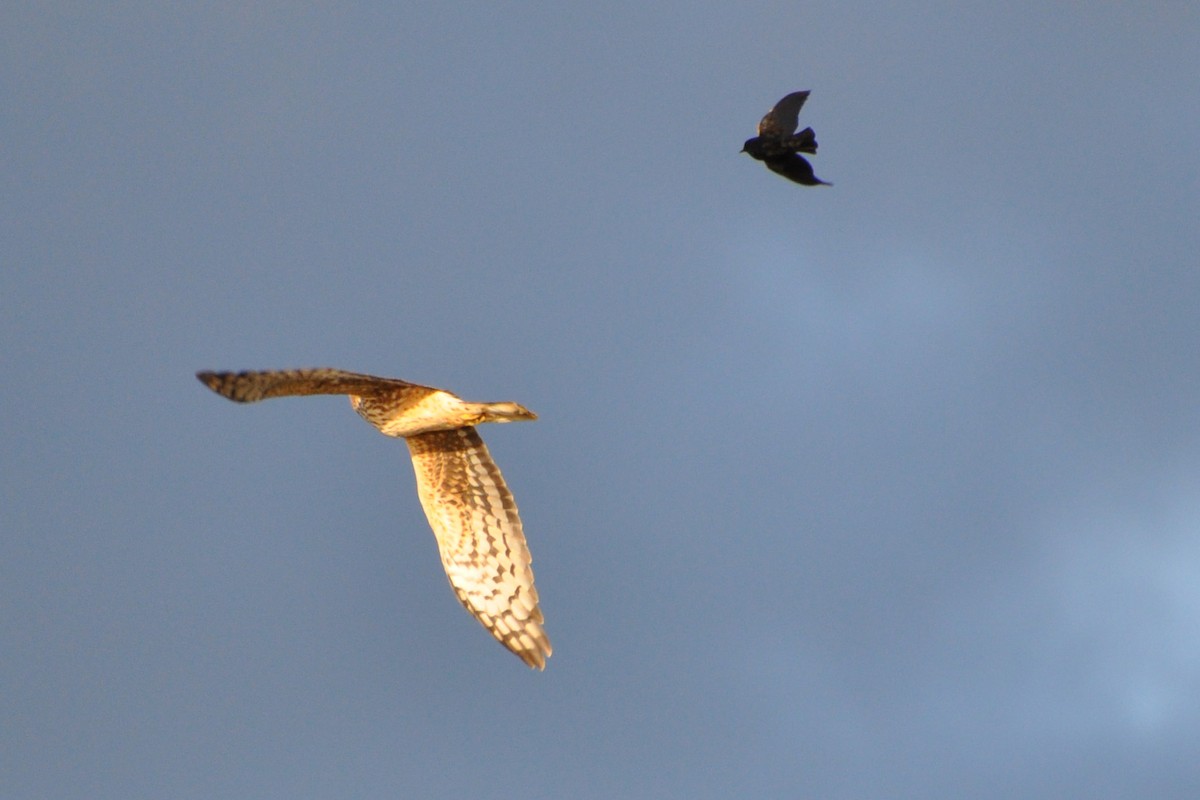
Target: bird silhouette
(779,146)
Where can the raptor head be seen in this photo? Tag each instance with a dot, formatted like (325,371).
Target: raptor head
(502,412)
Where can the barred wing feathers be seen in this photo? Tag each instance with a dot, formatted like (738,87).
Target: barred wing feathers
(479,536)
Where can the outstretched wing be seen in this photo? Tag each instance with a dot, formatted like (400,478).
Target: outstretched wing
(781,120)
(479,536)
(250,387)
(795,168)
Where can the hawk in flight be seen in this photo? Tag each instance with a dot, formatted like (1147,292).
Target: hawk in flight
(470,509)
(779,146)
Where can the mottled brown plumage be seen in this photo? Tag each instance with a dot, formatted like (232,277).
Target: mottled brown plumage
(779,146)
(472,513)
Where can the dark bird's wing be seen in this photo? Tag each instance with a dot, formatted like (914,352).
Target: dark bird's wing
(795,168)
(781,120)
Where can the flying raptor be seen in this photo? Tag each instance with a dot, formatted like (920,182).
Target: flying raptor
(469,507)
(779,146)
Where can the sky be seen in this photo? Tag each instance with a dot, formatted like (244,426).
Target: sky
(887,489)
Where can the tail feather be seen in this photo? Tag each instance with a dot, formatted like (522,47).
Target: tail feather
(804,142)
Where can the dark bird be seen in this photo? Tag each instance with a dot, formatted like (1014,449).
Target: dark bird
(779,146)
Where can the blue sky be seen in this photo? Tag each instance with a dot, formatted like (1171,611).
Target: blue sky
(887,489)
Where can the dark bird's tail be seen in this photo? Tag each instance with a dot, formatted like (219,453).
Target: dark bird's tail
(803,142)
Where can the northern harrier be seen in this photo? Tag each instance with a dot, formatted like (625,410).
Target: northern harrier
(779,146)
(470,509)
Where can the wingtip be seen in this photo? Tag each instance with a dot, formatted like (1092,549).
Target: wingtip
(530,644)
(227,384)
(536,658)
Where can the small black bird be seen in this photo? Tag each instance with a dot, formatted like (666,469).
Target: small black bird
(779,146)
